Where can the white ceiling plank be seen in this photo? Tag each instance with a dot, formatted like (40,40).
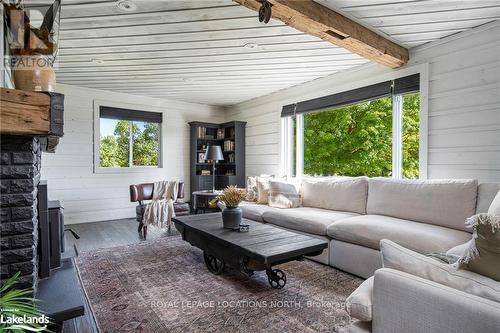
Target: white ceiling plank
(261,41)
(127,83)
(223,60)
(263,50)
(166,17)
(164,28)
(141,39)
(214,68)
(416,7)
(92,8)
(433,26)
(470,14)
(238,71)
(224,70)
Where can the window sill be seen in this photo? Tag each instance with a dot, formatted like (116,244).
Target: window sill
(125,170)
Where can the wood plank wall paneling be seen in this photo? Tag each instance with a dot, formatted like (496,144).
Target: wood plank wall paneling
(89,196)
(464,107)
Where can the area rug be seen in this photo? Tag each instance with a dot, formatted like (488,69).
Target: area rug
(164,286)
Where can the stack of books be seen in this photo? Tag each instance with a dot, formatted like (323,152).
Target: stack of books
(201,132)
(228,145)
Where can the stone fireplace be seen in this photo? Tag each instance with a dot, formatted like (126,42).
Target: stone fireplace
(30,122)
(20,176)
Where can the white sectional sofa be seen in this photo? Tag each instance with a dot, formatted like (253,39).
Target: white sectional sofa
(354,214)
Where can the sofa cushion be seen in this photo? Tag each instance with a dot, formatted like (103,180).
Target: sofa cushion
(305,219)
(402,259)
(447,203)
(486,192)
(368,230)
(343,194)
(254,211)
(359,303)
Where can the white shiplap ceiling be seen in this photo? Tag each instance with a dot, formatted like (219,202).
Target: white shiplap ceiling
(204,51)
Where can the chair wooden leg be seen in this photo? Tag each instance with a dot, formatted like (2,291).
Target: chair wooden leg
(139,229)
(145,231)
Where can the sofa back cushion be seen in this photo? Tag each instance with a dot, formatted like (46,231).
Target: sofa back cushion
(447,203)
(342,194)
(486,192)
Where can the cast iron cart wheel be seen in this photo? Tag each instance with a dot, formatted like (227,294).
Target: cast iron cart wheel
(276,278)
(214,265)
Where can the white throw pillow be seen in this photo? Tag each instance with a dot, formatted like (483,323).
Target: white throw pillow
(359,303)
(262,190)
(400,258)
(283,195)
(495,206)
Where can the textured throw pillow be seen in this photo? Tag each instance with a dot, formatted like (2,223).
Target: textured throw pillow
(495,206)
(262,190)
(483,254)
(402,259)
(283,195)
(359,303)
(251,189)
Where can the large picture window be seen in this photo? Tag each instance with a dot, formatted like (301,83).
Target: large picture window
(377,136)
(128,138)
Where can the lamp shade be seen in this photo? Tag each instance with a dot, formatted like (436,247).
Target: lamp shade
(214,153)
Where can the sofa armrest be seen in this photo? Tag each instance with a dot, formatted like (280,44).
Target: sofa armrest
(406,303)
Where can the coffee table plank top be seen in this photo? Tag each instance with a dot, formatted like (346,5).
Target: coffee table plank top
(264,242)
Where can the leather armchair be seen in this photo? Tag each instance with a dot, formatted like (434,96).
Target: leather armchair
(141,192)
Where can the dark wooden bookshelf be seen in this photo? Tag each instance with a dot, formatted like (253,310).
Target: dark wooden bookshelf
(230,137)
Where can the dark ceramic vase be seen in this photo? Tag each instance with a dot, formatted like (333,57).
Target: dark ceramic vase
(231,217)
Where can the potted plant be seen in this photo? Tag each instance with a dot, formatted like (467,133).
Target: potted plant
(232,196)
(32,39)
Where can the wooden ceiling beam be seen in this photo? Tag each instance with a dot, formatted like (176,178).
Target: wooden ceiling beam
(320,21)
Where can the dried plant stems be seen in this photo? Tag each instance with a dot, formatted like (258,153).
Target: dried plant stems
(232,196)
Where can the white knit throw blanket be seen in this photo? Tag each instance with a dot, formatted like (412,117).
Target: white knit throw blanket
(160,210)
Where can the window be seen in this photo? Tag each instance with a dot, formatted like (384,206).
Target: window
(376,135)
(128,138)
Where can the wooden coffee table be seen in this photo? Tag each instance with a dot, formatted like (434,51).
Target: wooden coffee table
(261,248)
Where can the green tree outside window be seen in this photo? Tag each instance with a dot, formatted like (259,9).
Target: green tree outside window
(356,140)
(114,150)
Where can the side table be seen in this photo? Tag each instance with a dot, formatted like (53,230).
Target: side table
(201,200)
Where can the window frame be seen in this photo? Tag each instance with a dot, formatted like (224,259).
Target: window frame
(97,139)
(397,163)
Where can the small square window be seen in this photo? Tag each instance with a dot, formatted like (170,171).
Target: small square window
(127,138)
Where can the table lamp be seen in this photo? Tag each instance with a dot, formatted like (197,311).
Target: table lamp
(214,153)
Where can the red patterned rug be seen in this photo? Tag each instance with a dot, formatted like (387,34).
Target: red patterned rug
(164,286)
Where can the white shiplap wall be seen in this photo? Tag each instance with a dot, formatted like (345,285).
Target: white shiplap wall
(463,106)
(89,196)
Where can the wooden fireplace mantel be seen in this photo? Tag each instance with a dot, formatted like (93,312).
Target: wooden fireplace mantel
(30,113)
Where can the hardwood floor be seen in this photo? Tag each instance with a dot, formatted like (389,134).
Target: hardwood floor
(113,233)
(102,235)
